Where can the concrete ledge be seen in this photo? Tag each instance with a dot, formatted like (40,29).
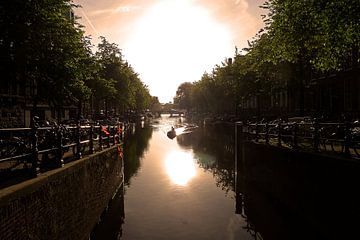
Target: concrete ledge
(64,203)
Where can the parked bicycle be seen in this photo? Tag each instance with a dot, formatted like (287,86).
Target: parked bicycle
(341,138)
(15,152)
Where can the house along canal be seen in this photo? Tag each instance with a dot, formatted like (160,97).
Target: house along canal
(181,188)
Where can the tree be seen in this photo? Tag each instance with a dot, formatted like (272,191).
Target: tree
(119,84)
(317,32)
(43,50)
(155,105)
(183,96)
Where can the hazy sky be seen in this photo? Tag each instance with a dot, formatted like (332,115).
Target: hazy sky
(169,42)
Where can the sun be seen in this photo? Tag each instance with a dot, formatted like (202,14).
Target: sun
(175,42)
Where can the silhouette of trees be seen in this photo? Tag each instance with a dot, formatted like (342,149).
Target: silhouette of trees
(135,147)
(321,33)
(155,105)
(183,95)
(41,44)
(118,84)
(44,51)
(301,39)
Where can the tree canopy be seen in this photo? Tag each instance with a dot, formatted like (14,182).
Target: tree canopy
(326,32)
(44,49)
(300,38)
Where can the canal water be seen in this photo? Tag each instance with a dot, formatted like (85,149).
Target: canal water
(181,188)
(184,188)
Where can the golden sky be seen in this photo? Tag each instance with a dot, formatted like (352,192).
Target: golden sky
(169,42)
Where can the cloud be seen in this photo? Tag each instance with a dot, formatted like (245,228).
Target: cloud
(113,19)
(242,17)
(119,9)
(117,17)
(119,21)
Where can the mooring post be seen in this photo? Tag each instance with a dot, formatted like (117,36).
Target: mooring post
(91,139)
(239,135)
(239,165)
(35,170)
(114,133)
(256,132)
(100,139)
(347,139)
(78,141)
(59,159)
(279,134)
(316,136)
(267,133)
(108,136)
(295,136)
(121,131)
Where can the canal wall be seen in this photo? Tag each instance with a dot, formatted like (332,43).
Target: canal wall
(64,203)
(319,190)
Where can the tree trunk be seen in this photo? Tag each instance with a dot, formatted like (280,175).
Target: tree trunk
(79,109)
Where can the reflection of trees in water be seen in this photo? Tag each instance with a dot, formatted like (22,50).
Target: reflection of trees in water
(267,218)
(111,219)
(294,195)
(214,149)
(135,146)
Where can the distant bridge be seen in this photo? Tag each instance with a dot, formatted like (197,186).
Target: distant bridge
(172,112)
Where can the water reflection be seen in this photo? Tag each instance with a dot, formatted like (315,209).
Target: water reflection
(274,200)
(180,167)
(156,210)
(287,195)
(136,144)
(213,148)
(112,219)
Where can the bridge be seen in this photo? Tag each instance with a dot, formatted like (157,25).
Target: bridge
(172,112)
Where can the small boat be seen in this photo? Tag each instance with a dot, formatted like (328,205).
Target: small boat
(171,134)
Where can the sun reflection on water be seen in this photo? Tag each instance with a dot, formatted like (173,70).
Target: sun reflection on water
(180,167)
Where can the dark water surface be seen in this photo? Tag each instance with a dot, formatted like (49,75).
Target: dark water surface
(184,188)
(180,188)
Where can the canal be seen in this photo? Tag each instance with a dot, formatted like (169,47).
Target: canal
(185,188)
(181,188)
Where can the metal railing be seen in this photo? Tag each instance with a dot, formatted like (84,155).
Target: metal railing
(39,149)
(341,138)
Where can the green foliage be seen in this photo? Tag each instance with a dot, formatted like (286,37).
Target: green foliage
(183,95)
(321,31)
(118,82)
(44,48)
(42,45)
(300,36)
(155,105)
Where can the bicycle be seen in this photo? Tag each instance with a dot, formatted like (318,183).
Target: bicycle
(14,152)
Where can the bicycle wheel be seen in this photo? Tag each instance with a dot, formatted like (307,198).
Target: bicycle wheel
(8,149)
(323,145)
(337,146)
(356,148)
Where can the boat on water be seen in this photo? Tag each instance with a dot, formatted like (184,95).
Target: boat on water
(180,130)
(172,133)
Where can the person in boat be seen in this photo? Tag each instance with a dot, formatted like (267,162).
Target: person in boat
(172,133)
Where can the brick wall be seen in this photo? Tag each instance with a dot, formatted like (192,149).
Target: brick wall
(64,203)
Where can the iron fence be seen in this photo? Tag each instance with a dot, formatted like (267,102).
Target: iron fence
(341,138)
(39,149)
